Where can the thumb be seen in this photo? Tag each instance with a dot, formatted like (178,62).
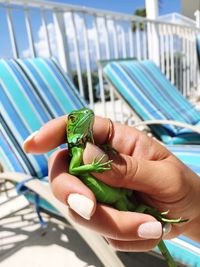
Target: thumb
(148,176)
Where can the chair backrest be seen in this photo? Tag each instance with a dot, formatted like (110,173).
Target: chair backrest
(53,86)
(26,106)
(150,94)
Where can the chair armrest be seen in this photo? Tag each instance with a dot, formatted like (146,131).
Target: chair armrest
(15,177)
(171,122)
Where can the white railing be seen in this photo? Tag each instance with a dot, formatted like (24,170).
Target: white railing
(78,37)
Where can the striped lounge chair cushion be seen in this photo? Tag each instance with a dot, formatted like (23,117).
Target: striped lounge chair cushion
(188,154)
(25,107)
(152,96)
(53,86)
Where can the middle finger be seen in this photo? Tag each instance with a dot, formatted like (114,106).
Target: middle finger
(120,225)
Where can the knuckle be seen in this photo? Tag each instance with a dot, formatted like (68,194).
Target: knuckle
(130,170)
(178,175)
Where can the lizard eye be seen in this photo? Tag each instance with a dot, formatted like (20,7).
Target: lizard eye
(72,118)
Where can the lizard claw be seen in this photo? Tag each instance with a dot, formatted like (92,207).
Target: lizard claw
(100,166)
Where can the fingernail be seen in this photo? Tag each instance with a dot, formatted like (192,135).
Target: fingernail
(30,137)
(81,205)
(150,230)
(167,229)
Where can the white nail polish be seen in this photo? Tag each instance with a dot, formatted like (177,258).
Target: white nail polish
(167,229)
(81,205)
(150,230)
(28,139)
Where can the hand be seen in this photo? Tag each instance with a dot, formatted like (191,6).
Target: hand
(142,164)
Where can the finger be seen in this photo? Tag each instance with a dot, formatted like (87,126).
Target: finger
(128,140)
(68,188)
(124,139)
(138,174)
(133,246)
(120,225)
(49,136)
(53,134)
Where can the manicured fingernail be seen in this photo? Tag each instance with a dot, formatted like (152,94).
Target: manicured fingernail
(29,138)
(150,230)
(167,229)
(81,205)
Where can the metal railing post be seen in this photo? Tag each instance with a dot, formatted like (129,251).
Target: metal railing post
(12,33)
(152,13)
(100,73)
(61,41)
(77,55)
(30,33)
(46,34)
(88,63)
(197,15)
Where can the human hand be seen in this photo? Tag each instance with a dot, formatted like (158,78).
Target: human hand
(142,164)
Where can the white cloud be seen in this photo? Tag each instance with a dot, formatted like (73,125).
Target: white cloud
(41,46)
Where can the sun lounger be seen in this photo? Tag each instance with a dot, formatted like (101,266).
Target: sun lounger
(159,104)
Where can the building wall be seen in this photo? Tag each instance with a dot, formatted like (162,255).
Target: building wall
(189,7)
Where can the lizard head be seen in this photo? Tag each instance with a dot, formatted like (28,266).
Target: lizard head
(79,126)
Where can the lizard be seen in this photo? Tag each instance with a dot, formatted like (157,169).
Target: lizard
(79,131)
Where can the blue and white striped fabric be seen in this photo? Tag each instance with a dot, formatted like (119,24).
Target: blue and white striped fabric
(152,96)
(188,154)
(22,113)
(25,107)
(36,90)
(53,86)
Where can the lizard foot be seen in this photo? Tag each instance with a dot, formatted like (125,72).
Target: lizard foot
(99,166)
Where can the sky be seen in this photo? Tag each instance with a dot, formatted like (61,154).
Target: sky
(123,6)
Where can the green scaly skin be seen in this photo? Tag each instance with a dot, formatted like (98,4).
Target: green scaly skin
(79,132)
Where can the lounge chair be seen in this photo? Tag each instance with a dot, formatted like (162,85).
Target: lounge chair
(25,109)
(32,92)
(170,116)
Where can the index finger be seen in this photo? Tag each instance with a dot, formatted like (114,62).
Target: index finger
(124,139)
(53,134)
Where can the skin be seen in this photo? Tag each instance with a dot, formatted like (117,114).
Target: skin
(136,150)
